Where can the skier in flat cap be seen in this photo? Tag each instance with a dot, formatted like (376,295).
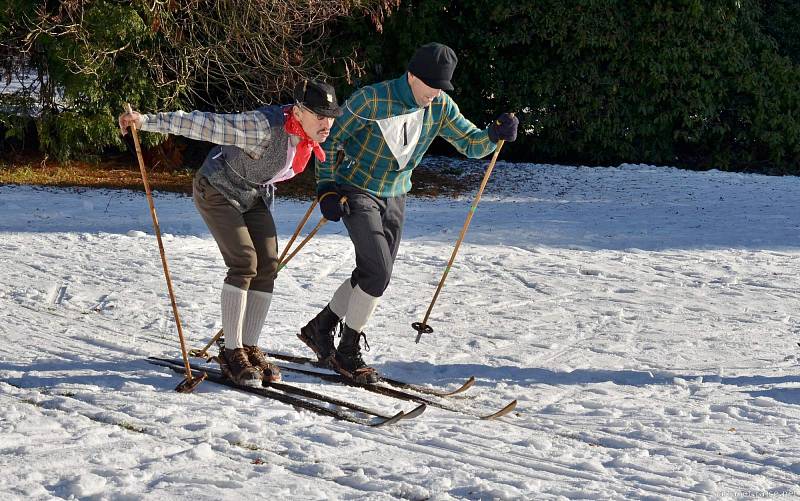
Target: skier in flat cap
(233,192)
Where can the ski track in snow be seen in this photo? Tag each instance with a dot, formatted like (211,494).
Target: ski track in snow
(645,318)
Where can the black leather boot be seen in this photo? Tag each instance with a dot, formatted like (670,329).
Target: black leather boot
(347,360)
(318,334)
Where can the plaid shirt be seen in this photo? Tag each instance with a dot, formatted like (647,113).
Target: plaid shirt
(369,163)
(249,130)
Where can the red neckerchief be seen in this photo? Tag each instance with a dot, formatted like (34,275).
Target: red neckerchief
(306,145)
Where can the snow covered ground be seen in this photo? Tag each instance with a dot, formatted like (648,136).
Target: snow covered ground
(645,318)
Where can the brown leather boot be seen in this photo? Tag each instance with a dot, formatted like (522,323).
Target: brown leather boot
(270,373)
(236,366)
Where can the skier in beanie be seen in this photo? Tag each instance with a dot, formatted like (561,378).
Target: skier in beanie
(233,191)
(383,133)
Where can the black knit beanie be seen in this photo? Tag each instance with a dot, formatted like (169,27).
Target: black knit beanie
(434,64)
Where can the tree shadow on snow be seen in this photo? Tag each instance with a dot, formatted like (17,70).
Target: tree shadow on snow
(586,223)
(785,395)
(443,374)
(65,375)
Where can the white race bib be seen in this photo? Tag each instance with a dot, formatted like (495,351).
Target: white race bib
(401,134)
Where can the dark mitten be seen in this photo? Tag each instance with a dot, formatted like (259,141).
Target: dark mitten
(332,207)
(505,128)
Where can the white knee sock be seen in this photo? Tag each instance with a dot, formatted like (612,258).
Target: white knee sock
(359,309)
(341,299)
(233,306)
(257,307)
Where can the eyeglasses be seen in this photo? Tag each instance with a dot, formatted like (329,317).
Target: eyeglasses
(301,103)
(316,115)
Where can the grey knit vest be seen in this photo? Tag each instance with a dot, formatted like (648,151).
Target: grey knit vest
(242,179)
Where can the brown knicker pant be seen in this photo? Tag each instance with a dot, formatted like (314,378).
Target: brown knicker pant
(248,241)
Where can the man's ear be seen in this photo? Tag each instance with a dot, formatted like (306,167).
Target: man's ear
(296,111)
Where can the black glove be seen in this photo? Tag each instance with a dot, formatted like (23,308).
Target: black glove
(332,207)
(504,128)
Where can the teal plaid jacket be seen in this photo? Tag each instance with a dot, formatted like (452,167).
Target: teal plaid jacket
(368,162)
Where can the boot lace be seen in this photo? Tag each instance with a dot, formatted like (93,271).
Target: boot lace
(256,354)
(366,344)
(258,359)
(238,359)
(358,361)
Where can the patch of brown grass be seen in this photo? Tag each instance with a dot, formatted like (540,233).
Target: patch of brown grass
(122,172)
(114,173)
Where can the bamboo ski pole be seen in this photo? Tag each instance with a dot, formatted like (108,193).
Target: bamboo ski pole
(190,383)
(298,229)
(423,327)
(282,262)
(319,225)
(204,352)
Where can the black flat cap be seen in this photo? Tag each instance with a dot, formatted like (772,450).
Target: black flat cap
(318,97)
